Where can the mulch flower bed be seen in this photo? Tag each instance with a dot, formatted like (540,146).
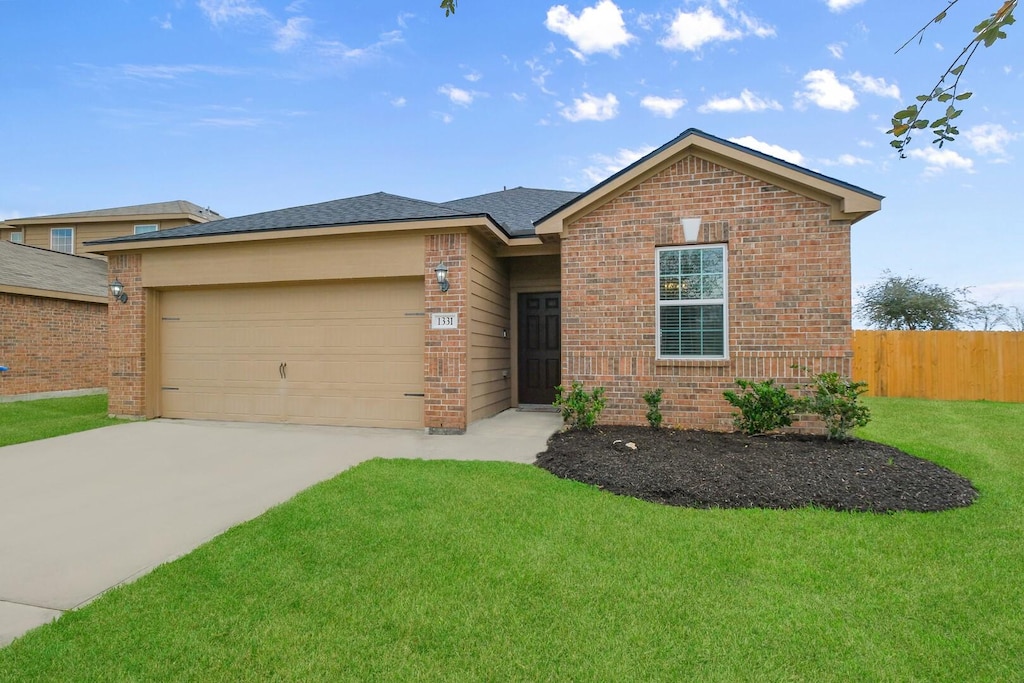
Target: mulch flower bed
(704,469)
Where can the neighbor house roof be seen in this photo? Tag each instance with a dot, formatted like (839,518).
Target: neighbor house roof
(848,201)
(178,208)
(512,210)
(41,272)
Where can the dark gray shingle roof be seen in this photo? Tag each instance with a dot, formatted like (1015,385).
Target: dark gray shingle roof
(34,268)
(517,209)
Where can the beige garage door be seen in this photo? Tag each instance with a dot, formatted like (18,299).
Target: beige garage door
(333,354)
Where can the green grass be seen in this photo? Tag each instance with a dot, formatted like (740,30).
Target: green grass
(445,571)
(33,420)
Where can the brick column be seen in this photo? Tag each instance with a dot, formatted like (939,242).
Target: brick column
(126,324)
(446,375)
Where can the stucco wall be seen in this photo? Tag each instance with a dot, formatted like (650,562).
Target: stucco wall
(788,302)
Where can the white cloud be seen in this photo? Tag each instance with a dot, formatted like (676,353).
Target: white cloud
(403,19)
(540,75)
(592,108)
(223,11)
(790,155)
(291,33)
(444,117)
(458,96)
(825,90)
(604,166)
(169,72)
(845,160)
(398,102)
(690,31)
(662,106)
(518,96)
(842,5)
(836,50)
(597,29)
(938,160)
(875,86)
(473,76)
(230,123)
(746,101)
(333,49)
(989,139)
(165,22)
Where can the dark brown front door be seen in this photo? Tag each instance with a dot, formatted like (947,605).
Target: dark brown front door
(540,337)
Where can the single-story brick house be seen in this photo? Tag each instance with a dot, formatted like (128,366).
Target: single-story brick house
(53,322)
(702,262)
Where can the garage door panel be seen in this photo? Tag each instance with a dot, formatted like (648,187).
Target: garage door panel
(353,352)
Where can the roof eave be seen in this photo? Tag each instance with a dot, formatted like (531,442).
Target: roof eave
(481,221)
(848,202)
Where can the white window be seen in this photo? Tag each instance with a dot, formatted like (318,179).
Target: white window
(143,229)
(692,297)
(62,239)
(18,237)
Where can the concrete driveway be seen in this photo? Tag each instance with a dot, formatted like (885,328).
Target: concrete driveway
(82,513)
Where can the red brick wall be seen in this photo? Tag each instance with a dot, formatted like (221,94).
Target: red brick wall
(127,329)
(446,377)
(788,301)
(51,344)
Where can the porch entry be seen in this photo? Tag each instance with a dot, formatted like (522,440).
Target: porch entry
(540,346)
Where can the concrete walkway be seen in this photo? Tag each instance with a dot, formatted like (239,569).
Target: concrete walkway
(82,513)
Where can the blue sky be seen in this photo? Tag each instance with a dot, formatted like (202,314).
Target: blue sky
(254,105)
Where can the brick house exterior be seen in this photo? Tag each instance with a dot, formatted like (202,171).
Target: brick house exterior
(53,317)
(612,287)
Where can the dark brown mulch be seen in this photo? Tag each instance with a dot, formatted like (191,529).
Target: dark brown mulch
(709,469)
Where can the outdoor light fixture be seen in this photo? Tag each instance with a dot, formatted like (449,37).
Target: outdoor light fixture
(117,289)
(442,276)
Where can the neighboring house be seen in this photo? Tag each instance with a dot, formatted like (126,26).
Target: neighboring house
(702,262)
(67,232)
(53,322)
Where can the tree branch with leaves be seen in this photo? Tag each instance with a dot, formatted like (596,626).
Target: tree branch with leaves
(910,119)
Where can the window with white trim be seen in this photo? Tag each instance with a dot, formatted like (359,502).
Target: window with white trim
(18,237)
(143,229)
(692,298)
(62,239)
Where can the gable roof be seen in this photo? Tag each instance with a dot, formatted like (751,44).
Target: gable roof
(41,272)
(512,211)
(847,201)
(178,207)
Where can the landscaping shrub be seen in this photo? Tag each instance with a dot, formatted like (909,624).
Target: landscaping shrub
(653,400)
(580,409)
(834,399)
(764,406)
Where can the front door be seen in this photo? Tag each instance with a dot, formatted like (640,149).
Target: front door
(540,336)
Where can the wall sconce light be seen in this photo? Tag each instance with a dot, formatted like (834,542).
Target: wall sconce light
(442,276)
(117,289)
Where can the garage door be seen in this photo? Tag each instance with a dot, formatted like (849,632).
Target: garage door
(333,354)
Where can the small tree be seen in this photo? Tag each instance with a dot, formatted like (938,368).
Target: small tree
(911,303)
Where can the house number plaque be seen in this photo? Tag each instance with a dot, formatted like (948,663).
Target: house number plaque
(444,321)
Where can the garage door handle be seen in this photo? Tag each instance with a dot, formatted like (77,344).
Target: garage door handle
(282,370)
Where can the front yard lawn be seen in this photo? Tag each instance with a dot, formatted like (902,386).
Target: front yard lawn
(23,421)
(435,571)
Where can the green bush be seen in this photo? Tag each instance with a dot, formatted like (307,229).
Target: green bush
(764,406)
(834,399)
(653,400)
(580,409)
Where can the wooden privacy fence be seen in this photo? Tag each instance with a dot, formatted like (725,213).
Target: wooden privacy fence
(958,366)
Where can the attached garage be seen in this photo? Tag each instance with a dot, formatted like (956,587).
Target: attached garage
(348,353)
